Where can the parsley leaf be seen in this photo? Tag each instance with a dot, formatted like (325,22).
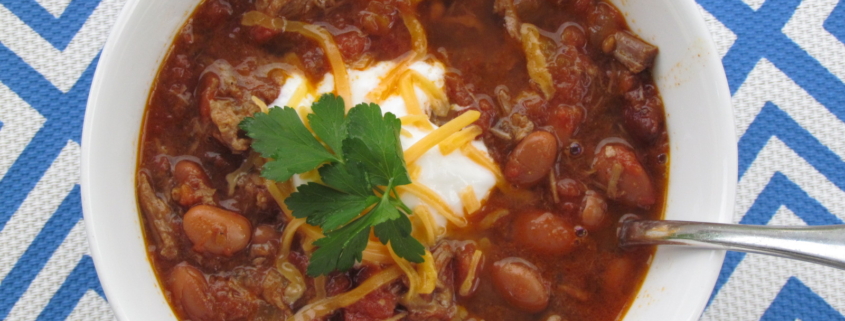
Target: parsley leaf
(329,123)
(360,163)
(281,136)
(350,178)
(341,249)
(398,233)
(385,211)
(374,141)
(325,207)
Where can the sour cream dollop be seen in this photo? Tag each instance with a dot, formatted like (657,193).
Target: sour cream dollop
(446,175)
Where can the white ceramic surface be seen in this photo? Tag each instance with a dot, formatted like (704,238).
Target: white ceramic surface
(688,73)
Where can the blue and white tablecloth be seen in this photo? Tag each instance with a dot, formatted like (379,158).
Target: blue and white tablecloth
(785,62)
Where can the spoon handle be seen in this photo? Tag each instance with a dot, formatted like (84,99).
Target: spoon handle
(818,244)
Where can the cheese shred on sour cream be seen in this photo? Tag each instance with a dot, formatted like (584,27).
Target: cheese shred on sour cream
(447,182)
(445,175)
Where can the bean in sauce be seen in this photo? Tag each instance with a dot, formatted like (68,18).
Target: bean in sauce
(215,230)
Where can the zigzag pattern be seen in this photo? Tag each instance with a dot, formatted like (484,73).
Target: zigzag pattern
(54,7)
(786,73)
(784,64)
(58,48)
(57,31)
(48,59)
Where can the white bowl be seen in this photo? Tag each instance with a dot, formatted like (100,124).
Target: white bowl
(689,74)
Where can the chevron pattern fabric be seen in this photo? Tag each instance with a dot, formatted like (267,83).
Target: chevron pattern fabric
(785,62)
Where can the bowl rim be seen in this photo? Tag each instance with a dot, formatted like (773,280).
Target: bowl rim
(110,277)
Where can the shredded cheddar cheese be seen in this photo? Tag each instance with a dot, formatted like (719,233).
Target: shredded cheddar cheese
(414,170)
(424,215)
(419,40)
(311,176)
(488,221)
(439,100)
(410,272)
(316,33)
(246,166)
(287,238)
(466,286)
(376,252)
(471,203)
(439,134)
(297,286)
(320,287)
(326,41)
(428,274)
(261,105)
(299,94)
(420,121)
(461,138)
(480,158)
(397,317)
(431,198)
(388,82)
(409,95)
(323,307)
(404,132)
(279,192)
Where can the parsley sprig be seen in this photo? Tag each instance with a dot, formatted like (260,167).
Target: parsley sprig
(360,162)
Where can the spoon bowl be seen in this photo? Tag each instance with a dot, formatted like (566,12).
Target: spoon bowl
(817,244)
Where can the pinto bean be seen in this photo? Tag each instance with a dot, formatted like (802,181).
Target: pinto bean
(520,284)
(436,11)
(187,171)
(378,18)
(352,44)
(543,232)
(568,188)
(265,240)
(189,289)
(264,233)
(618,169)
(215,230)
(573,35)
(564,121)
(643,117)
(594,210)
(338,283)
(616,275)
(194,185)
(213,14)
(603,21)
(457,90)
(531,159)
(569,192)
(261,34)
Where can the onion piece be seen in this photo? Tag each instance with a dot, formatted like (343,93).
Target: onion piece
(538,68)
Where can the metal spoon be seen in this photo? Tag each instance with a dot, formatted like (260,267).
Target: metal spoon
(818,244)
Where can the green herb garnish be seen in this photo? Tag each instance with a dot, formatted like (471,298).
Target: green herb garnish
(360,162)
